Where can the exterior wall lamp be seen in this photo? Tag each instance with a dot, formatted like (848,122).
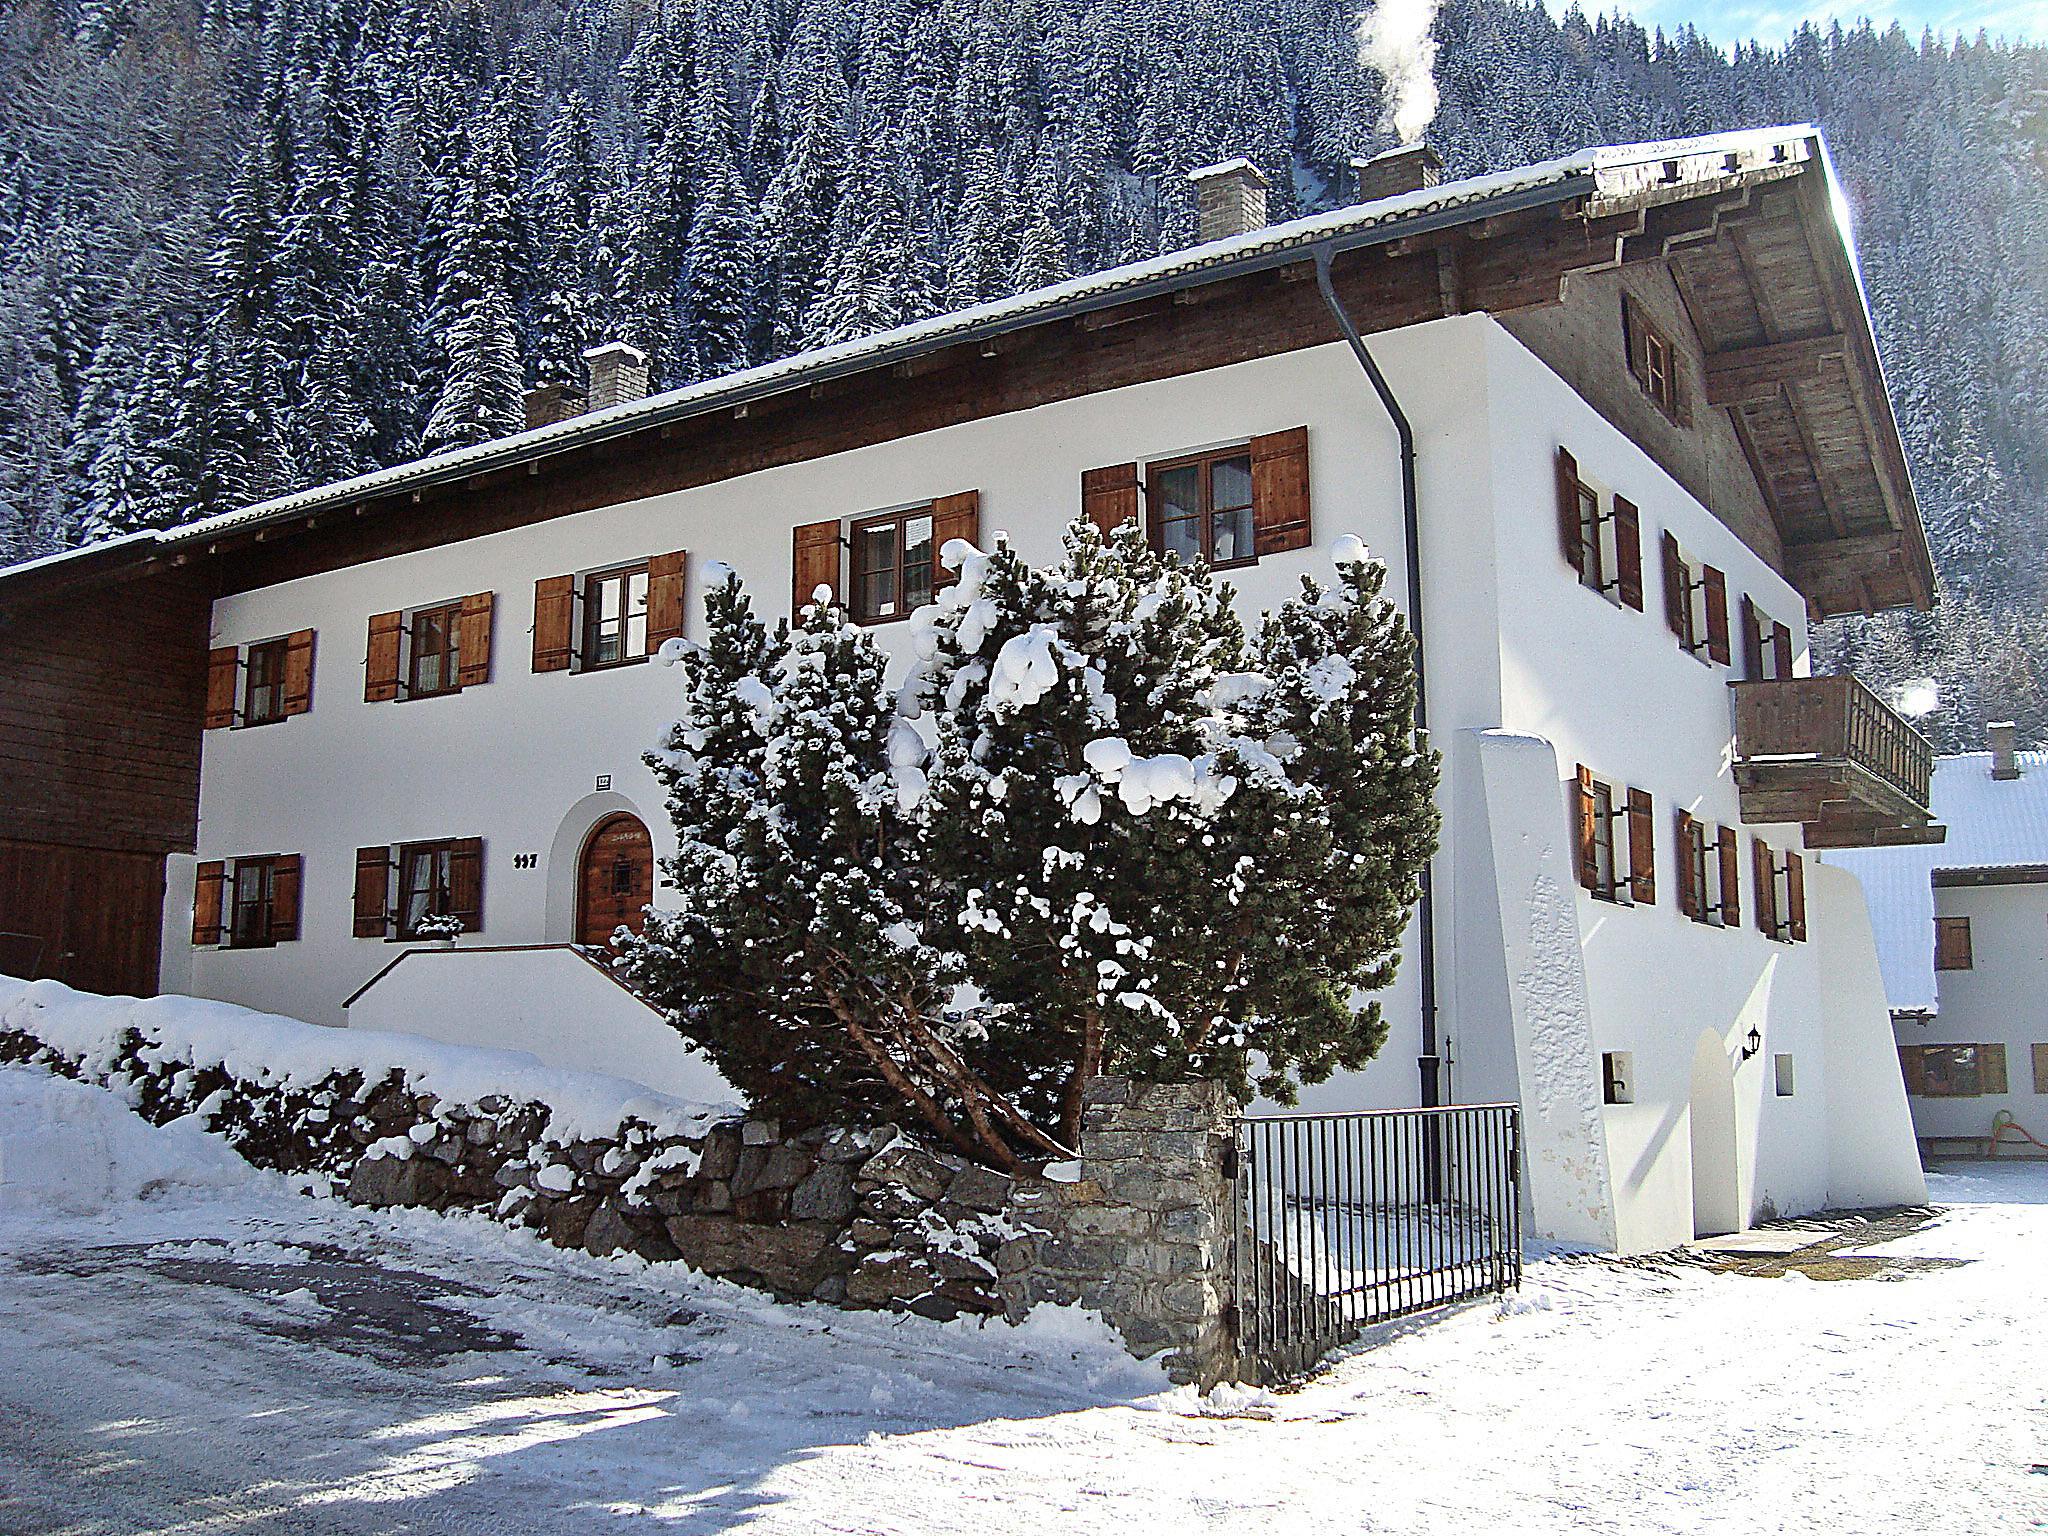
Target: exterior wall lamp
(1752,1045)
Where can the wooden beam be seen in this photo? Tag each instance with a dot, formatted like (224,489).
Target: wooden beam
(1847,559)
(1749,373)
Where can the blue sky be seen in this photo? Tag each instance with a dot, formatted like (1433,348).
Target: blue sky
(1770,21)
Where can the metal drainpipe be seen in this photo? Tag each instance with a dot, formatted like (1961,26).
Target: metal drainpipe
(1429,1064)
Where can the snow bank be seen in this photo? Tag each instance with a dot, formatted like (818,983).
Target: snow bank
(77,1149)
(266,1048)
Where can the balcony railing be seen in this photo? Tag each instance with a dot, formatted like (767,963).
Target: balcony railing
(1828,753)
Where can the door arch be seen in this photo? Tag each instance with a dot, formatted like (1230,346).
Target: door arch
(1716,1192)
(614,879)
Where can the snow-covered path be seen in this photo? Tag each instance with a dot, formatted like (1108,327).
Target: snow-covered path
(227,1356)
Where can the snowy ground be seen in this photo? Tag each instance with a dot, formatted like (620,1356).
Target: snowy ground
(186,1346)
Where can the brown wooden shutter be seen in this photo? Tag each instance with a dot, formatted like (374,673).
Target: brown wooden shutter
(1913,1068)
(473,631)
(285,873)
(1731,878)
(1752,640)
(814,561)
(1677,590)
(1109,496)
(1781,649)
(223,674)
(1280,520)
(380,665)
(1766,886)
(1688,870)
(1586,832)
(206,901)
(1628,553)
(298,672)
(1795,896)
(1633,343)
(373,892)
(1717,614)
(953,517)
(1642,848)
(665,598)
(554,622)
(466,882)
(1571,537)
(1991,1068)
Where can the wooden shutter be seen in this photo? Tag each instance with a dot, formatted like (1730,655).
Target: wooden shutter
(223,673)
(1717,614)
(285,872)
(1628,553)
(554,622)
(953,517)
(1752,640)
(1766,887)
(1795,896)
(1731,878)
(665,598)
(473,629)
(1991,1069)
(466,882)
(298,672)
(380,665)
(1642,848)
(206,902)
(1632,340)
(373,892)
(1677,590)
(1781,649)
(1280,520)
(1109,496)
(814,562)
(1585,831)
(1913,1068)
(1688,870)
(1570,536)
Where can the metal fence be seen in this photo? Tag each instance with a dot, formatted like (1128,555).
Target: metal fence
(1345,1220)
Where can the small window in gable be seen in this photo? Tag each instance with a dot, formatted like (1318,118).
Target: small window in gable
(1652,360)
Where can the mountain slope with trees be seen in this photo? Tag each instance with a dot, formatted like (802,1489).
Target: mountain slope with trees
(255,244)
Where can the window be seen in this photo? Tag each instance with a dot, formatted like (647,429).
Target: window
(1709,877)
(1780,893)
(892,564)
(247,903)
(1615,840)
(434,651)
(1766,645)
(1604,548)
(2041,1069)
(1953,1071)
(1952,944)
(1695,604)
(263,680)
(1781,1074)
(1617,1077)
(439,881)
(615,617)
(1651,358)
(1200,507)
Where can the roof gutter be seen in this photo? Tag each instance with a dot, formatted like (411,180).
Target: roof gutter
(1430,1062)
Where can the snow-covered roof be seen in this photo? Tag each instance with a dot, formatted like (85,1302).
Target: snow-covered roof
(1992,824)
(1612,173)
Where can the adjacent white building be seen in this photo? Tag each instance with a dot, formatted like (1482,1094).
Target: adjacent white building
(1649,440)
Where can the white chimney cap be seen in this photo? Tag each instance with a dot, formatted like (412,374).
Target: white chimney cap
(1238,167)
(630,353)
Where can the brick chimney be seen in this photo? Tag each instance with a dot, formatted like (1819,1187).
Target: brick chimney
(2005,760)
(1230,199)
(552,403)
(1404,168)
(618,373)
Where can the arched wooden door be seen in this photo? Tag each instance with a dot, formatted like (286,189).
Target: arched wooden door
(615,879)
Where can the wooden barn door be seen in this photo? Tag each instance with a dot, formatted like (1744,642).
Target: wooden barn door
(615,880)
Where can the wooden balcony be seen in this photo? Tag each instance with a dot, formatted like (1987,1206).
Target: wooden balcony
(1831,755)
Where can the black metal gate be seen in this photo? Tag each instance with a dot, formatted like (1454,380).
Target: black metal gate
(1345,1220)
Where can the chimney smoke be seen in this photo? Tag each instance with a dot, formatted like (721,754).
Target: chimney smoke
(1394,39)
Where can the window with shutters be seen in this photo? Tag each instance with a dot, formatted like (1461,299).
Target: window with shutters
(1696,604)
(1766,645)
(1200,507)
(1958,1071)
(1616,841)
(249,909)
(614,617)
(247,903)
(1602,536)
(433,651)
(263,682)
(438,881)
(1952,944)
(1780,893)
(893,567)
(1709,877)
(1651,358)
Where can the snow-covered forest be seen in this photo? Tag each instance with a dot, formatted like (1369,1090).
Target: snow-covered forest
(251,244)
